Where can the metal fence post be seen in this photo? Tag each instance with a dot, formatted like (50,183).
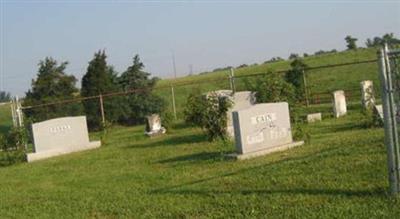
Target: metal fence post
(232,80)
(389,123)
(103,118)
(305,88)
(173,101)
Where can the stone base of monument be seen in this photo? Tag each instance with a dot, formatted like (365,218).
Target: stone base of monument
(51,153)
(153,133)
(265,151)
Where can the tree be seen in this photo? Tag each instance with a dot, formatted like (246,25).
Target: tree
(100,79)
(51,85)
(272,88)
(140,102)
(293,56)
(295,76)
(351,42)
(4,96)
(388,38)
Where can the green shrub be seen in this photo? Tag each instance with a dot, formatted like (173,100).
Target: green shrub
(208,112)
(13,147)
(271,88)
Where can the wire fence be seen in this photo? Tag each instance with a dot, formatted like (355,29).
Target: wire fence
(320,82)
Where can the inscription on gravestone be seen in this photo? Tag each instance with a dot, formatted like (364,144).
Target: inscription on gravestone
(261,129)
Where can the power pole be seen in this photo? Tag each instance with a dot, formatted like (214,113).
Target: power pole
(172,87)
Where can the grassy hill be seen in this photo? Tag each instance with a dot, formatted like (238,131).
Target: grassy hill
(5,118)
(321,82)
(340,173)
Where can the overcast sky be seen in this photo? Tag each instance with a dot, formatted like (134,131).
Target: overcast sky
(204,34)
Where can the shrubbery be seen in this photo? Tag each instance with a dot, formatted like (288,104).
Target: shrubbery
(13,147)
(208,112)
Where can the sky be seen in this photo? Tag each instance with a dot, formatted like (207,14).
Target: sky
(201,34)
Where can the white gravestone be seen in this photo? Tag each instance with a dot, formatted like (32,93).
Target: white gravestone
(367,94)
(314,117)
(262,129)
(60,136)
(154,125)
(339,104)
(240,100)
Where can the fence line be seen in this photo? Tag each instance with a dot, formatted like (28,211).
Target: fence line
(310,98)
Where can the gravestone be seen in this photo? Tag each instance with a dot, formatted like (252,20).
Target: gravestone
(367,94)
(240,100)
(378,109)
(153,126)
(262,129)
(314,117)
(339,104)
(60,136)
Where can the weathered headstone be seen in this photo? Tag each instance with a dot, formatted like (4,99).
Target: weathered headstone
(240,100)
(378,109)
(314,117)
(339,104)
(153,126)
(60,136)
(367,94)
(262,129)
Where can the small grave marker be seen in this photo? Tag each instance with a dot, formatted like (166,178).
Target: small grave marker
(153,126)
(314,117)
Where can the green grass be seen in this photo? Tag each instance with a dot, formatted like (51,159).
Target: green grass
(319,81)
(340,173)
(5,118)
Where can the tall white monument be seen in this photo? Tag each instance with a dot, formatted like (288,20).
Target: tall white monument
(339,103)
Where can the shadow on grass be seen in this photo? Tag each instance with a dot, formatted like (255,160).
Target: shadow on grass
(295,191)
(197,157)
(173,141)
(180,189)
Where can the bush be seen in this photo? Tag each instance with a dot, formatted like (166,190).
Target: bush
(271,88)
(208,112)
(13,146)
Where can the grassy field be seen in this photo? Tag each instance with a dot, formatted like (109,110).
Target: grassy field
(325,80)
(5,118)
(340,173)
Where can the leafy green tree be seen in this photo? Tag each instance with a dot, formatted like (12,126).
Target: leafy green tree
(140,102)
(272,88)
(388,38)
(4,96)
(351,42)
(100,79)
(293,56)
(51,85)
(295,76)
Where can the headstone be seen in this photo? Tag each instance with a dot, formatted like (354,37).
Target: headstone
(379,111)
(154,125)
(60,136)
(240,100)
(339,104)
(367,94)
(314,117)
(262,129)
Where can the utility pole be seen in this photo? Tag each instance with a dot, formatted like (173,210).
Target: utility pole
(172,87)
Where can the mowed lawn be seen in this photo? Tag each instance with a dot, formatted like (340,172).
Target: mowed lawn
(340,173)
